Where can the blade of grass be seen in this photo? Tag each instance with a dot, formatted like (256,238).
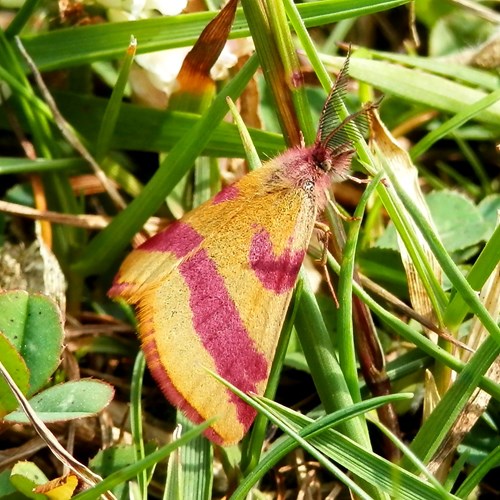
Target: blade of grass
(453,123)
(136,419)
(454,71)
(160,130)
(149,461)
(277,80)
(316,435)
(293,72)
(449,267)
(426,90)
(110,116)
(472,158)
(408,333)
(347,353)
(250,150)
(472,481)
(83,44)
(24,165)
(107,245)
(325,369)
(196,463)
(434,430)
(23,16)
(476,277)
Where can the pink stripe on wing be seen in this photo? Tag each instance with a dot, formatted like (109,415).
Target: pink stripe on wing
(217,322)
(228,193)
(118,288)
(179,238)
(276,273)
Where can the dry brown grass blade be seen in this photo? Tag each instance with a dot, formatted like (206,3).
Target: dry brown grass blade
(490,297)
(279,82)
(407,174)
(86,221)
(400,306)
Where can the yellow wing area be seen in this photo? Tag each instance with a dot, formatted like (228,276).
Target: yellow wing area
(221,305)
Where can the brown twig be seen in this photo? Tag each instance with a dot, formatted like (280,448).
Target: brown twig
(87,221)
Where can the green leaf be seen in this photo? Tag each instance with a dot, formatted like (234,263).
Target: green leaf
(115,459)
(489,208)
(452,70)
(458,220)
(422,88)
(25,477)
(15,365)
(32,323)
(68,401)
(7,490)
(143,129)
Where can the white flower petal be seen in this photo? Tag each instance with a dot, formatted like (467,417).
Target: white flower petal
(167,7)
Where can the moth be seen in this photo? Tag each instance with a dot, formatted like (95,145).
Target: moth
(212,289)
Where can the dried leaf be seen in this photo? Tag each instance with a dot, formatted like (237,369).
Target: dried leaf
(407,174)
(194,78)
(61,488)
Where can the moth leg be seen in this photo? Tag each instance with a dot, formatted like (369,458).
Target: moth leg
(324,236)
(357,180)
(346,218)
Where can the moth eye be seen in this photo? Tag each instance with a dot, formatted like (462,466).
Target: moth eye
(326,165)
(308,186)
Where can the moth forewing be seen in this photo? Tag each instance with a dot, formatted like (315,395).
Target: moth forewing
(212,289)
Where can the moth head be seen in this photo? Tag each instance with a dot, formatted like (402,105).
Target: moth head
(335,161)
(334,145)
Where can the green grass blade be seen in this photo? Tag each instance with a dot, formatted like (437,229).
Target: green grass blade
(477,276)
(347,352)
(131,471)
(427,90)
(136,418)
(434,430)
(85,44)
(110,117)
(408,333)
(475,477)
(453,123)
(108,245)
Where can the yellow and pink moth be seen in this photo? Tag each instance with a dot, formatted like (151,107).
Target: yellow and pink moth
(212,289)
